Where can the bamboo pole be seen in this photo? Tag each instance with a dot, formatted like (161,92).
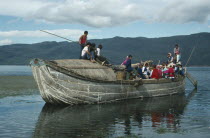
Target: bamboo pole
(190,56)
(192,80)
(188,75)
(57,35)
(85,67)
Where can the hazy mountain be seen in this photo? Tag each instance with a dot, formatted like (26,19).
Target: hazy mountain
(116,49)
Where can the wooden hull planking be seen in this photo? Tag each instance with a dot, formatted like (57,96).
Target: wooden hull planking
(59,88)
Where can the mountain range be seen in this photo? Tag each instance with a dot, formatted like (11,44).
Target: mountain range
(115,49)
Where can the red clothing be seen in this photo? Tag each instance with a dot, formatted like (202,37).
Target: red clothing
(155,74)
(176,51)
(83,39)
(160,72)
(171,72)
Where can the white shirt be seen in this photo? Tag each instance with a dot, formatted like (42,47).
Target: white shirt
(145,72)
(98,51)
(85,49)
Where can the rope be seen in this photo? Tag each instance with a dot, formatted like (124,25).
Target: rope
(190,56)
(57,36)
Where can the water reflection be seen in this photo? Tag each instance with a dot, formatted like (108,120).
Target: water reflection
(116,119)
(17,86)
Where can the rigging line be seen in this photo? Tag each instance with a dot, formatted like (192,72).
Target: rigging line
(57,35)
(190,56)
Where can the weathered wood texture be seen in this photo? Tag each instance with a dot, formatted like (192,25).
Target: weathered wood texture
(56,87)
(88,69)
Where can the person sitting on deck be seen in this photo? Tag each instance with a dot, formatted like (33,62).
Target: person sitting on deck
(92,49)
(155,73)
(128,67)
(85,52)
(99,58)
(165,71)
(98,50)
(160,67)
(171,72)
(139,72)
(179,70)
(146,70)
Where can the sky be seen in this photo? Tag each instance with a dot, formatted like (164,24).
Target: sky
(22,20)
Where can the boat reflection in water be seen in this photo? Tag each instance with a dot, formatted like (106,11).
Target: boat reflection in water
(130,117)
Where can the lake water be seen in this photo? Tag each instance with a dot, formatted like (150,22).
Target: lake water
(23,113)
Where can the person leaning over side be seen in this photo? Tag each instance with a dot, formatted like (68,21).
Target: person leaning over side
(83,41)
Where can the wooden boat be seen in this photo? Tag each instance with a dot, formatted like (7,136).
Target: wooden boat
(75,81)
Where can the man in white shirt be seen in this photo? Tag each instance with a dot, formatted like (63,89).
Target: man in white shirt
(85,51)
(102,60)
(98,50)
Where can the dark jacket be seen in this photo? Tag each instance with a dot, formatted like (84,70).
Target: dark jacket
(128,65)
(140,73)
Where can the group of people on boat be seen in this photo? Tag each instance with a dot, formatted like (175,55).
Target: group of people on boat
(146,70)
(90,52)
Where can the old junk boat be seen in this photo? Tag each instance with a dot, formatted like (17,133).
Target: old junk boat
(76,81)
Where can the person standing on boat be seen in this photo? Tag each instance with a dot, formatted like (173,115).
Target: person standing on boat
(177,53)
(128,64)
(83,41)
(128,67)
(170,58)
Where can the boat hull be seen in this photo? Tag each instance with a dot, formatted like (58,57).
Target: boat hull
(58,88)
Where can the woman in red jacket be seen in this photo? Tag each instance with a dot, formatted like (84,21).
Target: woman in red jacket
(155,73)
(171,72)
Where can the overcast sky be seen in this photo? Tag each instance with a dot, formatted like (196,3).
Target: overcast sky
(21,20)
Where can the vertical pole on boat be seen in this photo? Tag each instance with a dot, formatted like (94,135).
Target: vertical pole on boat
(188,75)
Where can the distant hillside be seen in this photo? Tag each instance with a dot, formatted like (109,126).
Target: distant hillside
(116,49)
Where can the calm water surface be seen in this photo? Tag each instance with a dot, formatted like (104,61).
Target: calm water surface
(24,114)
